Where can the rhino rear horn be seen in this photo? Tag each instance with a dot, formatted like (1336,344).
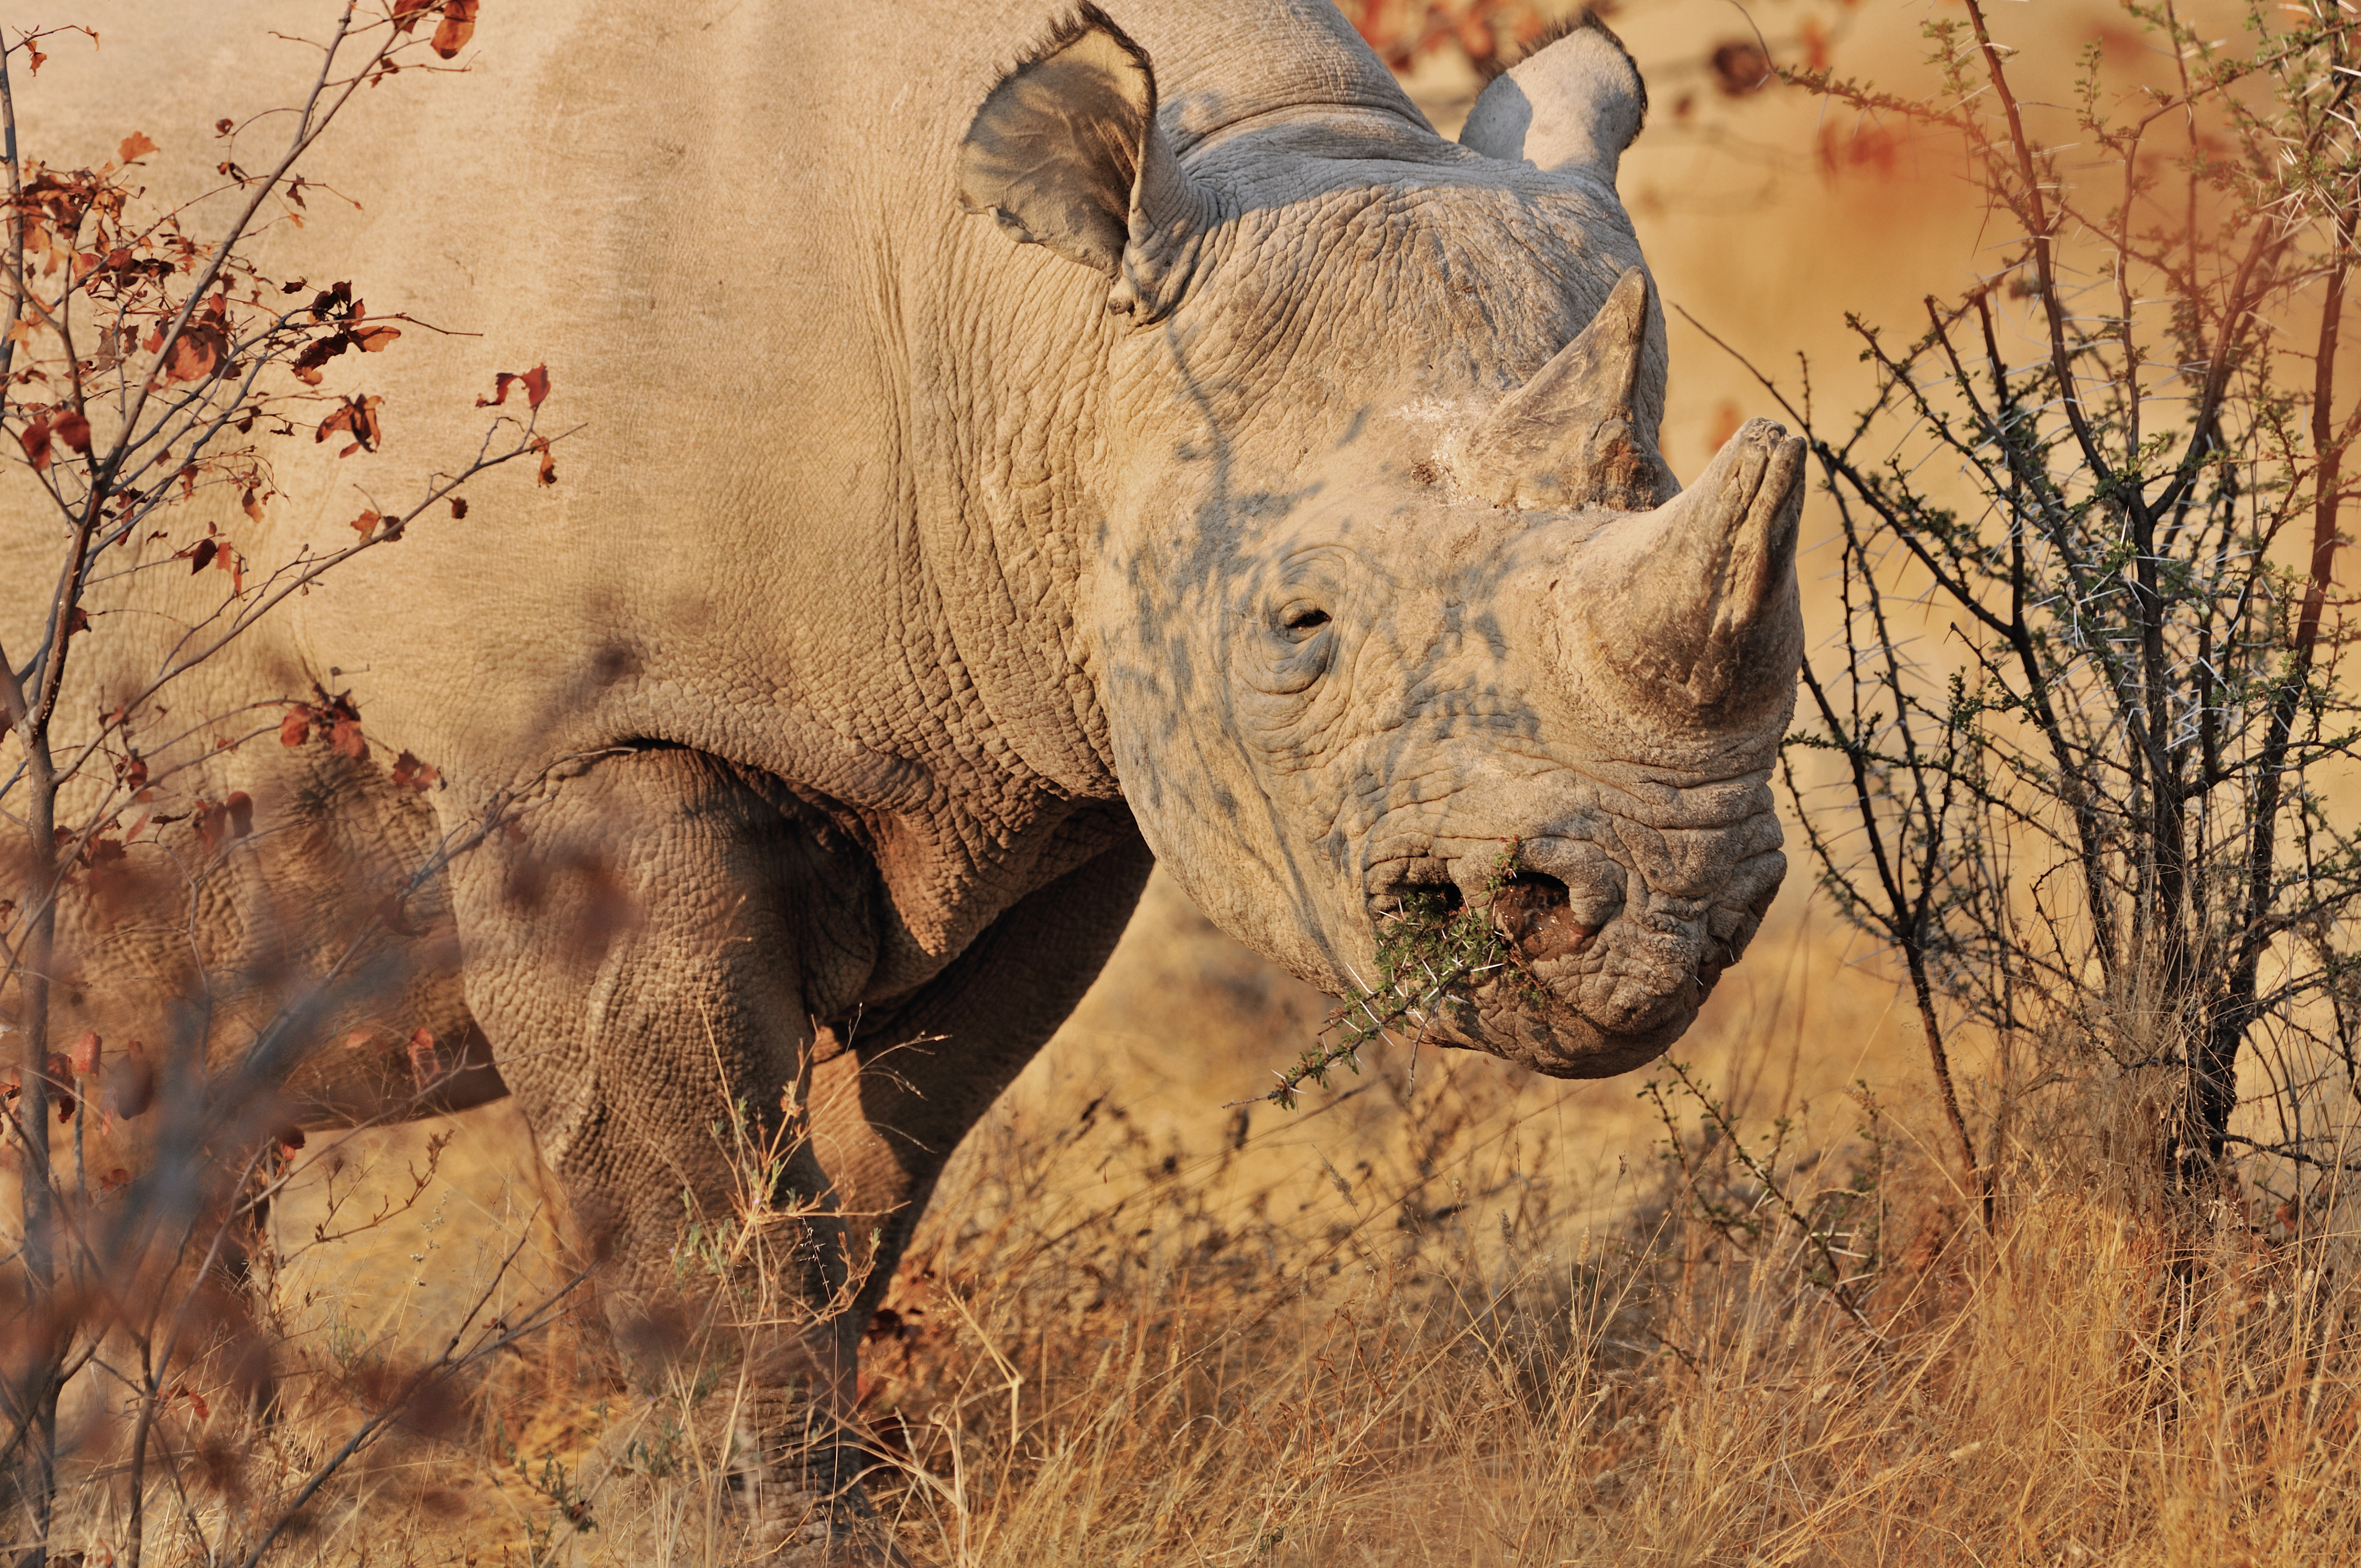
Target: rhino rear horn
(1066,153)
(1695,603)
(1573,436)
(1570,107)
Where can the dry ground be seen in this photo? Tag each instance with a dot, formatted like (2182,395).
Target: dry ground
(1117,1235)
(1477,1318)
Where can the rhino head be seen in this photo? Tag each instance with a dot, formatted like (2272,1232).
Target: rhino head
(1391,598)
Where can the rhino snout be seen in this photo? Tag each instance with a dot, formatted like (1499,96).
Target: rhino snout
(1626,972)
(1605,970)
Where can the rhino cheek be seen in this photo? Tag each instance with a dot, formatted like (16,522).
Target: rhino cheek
(1235,845)
(1739,912)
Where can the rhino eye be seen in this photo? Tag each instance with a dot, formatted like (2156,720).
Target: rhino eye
(1302,621)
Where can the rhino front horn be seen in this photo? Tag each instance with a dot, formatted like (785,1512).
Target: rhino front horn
(1695,604)
(1573,436)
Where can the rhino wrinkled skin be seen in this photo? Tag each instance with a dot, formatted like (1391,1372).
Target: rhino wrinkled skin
(1013,444)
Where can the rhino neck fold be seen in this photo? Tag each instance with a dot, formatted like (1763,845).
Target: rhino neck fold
(1005,512)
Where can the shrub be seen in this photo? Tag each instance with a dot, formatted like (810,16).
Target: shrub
(148,368)
(2084,707)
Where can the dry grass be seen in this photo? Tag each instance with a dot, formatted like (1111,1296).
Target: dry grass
(1468,1322)
(1476,1319)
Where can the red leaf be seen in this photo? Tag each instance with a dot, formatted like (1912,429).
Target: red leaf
(458,27)
(366,524)
(536,385)
(408,13)
(253,507)
(103,855)
(374,339)
(85,1054)
(358,416)
(202,344)
(73,429)
(305,366)
(35,439)
(135,144)
(548,463)
(1738,68)
(458,507)
(296,728)
(345,738)
(77,619)
(409,773)
(199,555)
(501,384)
(194,358)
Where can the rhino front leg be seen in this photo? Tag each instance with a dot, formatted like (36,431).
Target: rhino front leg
(897,1088)
(644,961)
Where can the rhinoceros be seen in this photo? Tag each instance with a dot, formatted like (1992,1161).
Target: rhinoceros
(1012,444)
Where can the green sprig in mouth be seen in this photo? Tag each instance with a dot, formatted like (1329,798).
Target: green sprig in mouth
(1433,955)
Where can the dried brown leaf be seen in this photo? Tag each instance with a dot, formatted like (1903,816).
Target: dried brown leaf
(458,25)
(35,439)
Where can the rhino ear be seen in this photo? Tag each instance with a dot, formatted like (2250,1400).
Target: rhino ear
(1067,153)
(1570,107)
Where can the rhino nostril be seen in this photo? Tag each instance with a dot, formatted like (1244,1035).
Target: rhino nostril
(1531,910)
(1535,891)
(1421,900)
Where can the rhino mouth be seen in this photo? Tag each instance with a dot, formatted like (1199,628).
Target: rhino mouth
(1398,887)
(1540,978)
